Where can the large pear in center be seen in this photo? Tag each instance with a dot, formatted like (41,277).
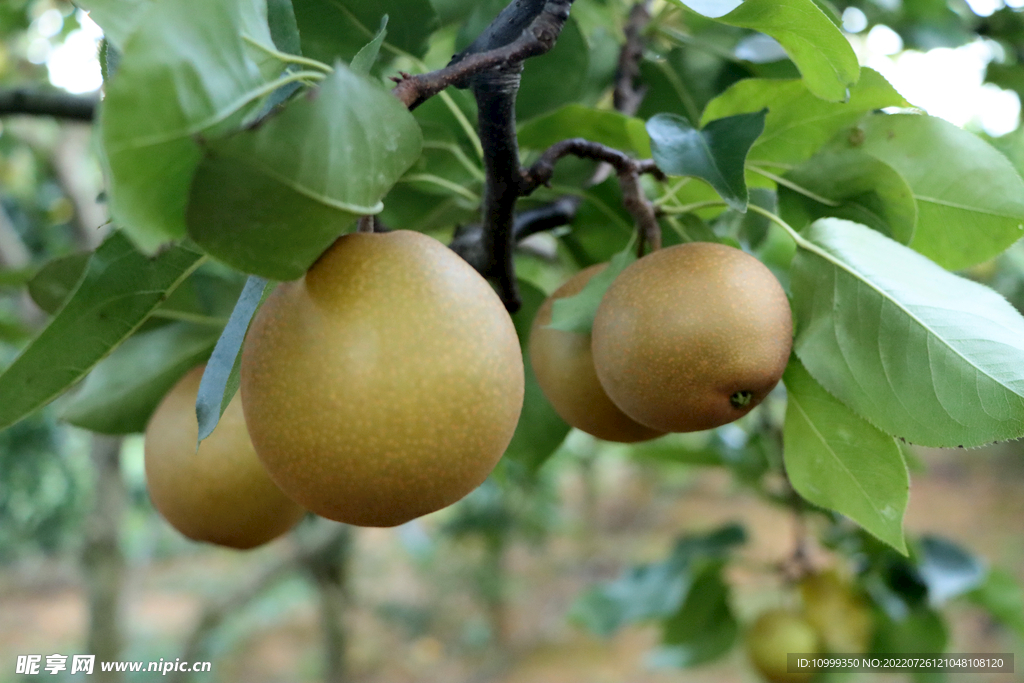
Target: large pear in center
(385,384)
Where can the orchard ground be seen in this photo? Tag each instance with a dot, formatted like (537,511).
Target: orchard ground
(418,621)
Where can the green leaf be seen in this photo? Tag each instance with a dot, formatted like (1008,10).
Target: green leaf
(970,200)
(602,227)
(540,430)
(922,630)
(817,47)
(338,29)
(220,378)
(557,77)
(689,227)
(747,460)
(1001,595)
(576,313)
(645,592)
(453,10)
(684,449)
(57,280)
(798,123)
(861,188)
(16,277)
(117,18)
(917,351)
(123,390)
(948,570)
(703,629)
(12,330)
(715,154)
(120,289)
(283,29)
(367,55)
(576,120)
(269,201)
(658,590)
(838,461)
(185,73)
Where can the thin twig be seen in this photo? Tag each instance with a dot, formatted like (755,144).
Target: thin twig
(538,38)
(492,66)
(628,95)
(628,170)
(366,224)
(468,241)
(544,218)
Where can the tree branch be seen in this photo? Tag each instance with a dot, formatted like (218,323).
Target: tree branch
(47,103)
(469,240)
(628,96)
(544,218)
(628,169)
(496,103)
(492,66)
(489,52)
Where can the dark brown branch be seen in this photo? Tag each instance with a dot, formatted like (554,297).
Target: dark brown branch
(539,37)
(37,102)
(492,66)
(509,25)
(469,240)
(628,170)
(544,218)
(496,103)
(628,95)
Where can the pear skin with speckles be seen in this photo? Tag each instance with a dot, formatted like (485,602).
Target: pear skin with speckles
(385,384)
(221,493)
(564,366)
(692,337)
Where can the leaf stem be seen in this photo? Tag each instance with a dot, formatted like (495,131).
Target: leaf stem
(800,240)
(689,208)
(288,58)
(793,186)
(460,156)
(442,182)
(672,192)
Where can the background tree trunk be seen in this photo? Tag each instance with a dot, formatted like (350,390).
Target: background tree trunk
(103,562)
(329,570)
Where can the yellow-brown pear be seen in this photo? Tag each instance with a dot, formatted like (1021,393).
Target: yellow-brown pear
(775,634)
(385,384)
(220,494)
(692,336)
(839,613)
(564,366)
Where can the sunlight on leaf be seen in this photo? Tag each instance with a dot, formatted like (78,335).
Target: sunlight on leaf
(816,45)
(919,352)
